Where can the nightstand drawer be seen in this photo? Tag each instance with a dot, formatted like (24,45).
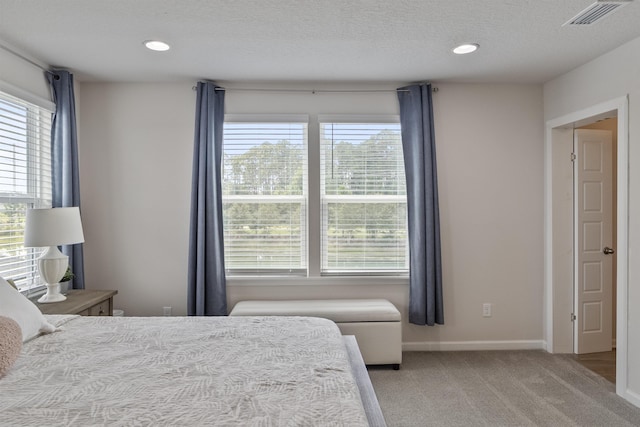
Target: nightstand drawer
(102,309)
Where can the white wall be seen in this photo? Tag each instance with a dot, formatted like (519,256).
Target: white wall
(613,75)
(136,146)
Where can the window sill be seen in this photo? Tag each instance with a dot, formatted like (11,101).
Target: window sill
(317,281)
(34,292)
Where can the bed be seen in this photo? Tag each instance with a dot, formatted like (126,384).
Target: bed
(218,371)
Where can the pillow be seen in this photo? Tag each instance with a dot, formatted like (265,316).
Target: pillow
(18,307)
(10,343)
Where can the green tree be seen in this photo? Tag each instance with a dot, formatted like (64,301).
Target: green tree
(12,221)
(369,168)
(264,170)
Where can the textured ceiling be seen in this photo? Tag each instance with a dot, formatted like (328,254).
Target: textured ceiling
(522,41)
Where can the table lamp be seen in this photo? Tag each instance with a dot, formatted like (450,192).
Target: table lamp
(51,228)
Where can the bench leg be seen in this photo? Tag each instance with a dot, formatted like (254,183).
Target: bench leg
(396,366)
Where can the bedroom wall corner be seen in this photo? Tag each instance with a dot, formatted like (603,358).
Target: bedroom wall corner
(136,148)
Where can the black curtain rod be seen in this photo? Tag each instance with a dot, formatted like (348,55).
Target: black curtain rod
(314,91)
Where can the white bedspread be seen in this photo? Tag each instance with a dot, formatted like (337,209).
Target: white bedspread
(183,371)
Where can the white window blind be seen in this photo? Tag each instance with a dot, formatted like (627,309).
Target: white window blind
(25,182)
(265,197)
(363,198)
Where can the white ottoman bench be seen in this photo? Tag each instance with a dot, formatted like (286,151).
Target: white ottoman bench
(374,322)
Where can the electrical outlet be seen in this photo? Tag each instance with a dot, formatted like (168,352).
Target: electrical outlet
(166,311)
(486,310)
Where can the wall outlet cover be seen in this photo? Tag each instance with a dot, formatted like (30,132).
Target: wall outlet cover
(486,310)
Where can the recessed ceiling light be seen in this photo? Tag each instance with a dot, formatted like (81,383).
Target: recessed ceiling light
(156,45)
(466,48)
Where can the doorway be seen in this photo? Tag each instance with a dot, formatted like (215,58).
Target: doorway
(595,200)
(560,270)
(595,169)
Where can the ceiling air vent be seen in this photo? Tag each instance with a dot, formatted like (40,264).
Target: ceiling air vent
(596,12)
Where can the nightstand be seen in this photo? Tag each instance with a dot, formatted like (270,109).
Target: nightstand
(84,302)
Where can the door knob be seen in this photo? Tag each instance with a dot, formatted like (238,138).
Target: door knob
(608,251)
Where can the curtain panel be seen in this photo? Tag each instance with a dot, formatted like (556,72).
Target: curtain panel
(64,161)
(207,295)
(418,143)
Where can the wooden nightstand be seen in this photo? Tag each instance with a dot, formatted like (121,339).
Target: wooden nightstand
(83,302)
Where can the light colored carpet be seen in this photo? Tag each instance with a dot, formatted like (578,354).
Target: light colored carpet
(497,388)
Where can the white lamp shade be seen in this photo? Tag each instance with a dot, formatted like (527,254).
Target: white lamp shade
(53,227)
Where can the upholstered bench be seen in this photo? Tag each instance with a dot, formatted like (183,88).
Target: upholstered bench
(374,322)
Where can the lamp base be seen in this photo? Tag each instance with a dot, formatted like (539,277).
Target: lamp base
(53,294)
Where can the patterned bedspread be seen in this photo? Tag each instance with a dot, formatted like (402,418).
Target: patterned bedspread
(183,371)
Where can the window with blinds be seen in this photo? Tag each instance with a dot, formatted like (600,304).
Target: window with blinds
(363,199)
(265,196)
(25,182)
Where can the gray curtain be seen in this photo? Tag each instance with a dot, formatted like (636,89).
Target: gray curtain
(64,160)
(207,291)
(418,143)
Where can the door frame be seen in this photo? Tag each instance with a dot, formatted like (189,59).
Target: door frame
(555,325)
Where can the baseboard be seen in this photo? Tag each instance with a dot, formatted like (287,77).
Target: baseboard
(632,397)
(473,345)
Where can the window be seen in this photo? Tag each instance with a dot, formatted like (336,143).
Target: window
(265,195)
(338,194)
(25,182)
(363,199)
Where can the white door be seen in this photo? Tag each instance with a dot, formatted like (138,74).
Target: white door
(594,236)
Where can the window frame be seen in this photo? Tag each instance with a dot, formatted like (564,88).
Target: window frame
(314,275)
(39,118)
